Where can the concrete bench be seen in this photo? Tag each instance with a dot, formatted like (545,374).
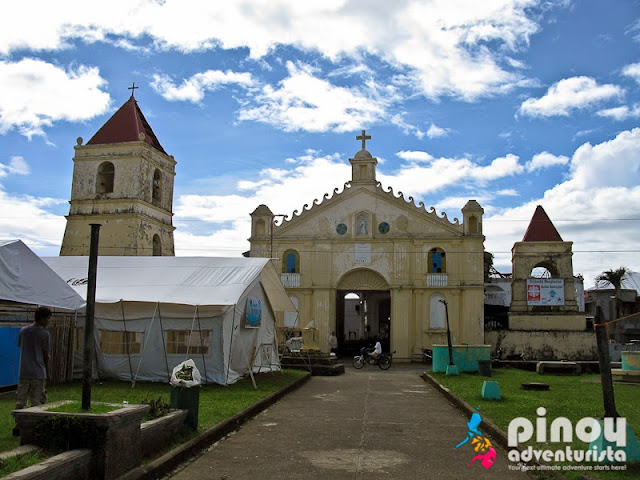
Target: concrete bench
(620,375)
(558,368)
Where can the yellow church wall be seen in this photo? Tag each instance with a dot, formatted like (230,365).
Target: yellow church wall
(361,255)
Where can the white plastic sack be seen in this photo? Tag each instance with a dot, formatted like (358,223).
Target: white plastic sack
(186,374)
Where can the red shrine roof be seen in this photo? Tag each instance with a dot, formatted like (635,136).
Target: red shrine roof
(541,229)
(126,125)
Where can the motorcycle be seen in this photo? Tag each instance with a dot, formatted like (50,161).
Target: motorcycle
(383,360)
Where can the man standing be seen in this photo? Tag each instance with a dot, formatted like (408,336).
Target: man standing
(332,342)
(34,344)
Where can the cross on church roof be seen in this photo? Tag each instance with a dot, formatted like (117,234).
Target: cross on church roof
(132,88)
(364,137)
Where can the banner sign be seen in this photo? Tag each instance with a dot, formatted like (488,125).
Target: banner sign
(545,291)
(253,315)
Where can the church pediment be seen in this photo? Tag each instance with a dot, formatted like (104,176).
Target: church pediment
(360,212)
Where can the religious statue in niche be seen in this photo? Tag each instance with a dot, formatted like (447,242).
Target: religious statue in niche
(362,224)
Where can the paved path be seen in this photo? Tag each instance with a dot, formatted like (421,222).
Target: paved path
(365,424)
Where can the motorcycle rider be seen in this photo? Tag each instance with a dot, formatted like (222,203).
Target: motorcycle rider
(377,350)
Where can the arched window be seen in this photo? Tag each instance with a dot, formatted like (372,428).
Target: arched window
(156,189)
(437,261)
(291,262)
(543,270)
(437,313)
(157,246)
(473,224)
(106,174)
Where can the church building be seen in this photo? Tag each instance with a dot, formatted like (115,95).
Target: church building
(123,180)
(368,263)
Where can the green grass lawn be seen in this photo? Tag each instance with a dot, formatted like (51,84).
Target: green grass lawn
(568,396)
(217,402)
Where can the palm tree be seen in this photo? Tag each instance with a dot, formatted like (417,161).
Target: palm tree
(617,279)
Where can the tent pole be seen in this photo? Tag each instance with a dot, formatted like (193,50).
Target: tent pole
(193,322)
(164,346)
(144,347)
(126,339)
(233,327)
(204,363)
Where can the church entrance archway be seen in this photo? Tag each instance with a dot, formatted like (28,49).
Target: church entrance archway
(363,311)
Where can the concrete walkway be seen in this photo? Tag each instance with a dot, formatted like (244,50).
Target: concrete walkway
(365,424)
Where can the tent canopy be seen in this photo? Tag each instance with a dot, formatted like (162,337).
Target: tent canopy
(215,281)
(25,278)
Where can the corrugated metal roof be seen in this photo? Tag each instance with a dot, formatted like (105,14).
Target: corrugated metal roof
(126,125)
(541,229)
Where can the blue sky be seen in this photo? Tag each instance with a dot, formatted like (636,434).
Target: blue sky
(512,102)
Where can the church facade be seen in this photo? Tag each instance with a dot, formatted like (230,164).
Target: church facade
(368,264)
(123,180)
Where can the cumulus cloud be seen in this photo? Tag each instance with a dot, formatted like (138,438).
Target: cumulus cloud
(567,95)
(16,166)
(632,70)
(620,113)
(304,102)
(465,48)
(27,218)
(193,89)
(545,160)
(436,131)
(34,94)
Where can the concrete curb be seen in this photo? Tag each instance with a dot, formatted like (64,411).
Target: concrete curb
(170,460)
(491,428)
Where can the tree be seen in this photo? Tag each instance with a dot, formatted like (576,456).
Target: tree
(616,278)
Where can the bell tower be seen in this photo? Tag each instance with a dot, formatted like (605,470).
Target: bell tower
(122,179)
(363,164)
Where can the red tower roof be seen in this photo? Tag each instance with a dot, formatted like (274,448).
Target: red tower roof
(126,125)
(541,229)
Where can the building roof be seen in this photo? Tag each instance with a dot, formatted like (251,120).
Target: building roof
(126,125)
(541,229)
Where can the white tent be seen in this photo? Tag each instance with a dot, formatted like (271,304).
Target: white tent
(26,279)
(152,313)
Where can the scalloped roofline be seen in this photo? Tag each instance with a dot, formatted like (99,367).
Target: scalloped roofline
(331,197)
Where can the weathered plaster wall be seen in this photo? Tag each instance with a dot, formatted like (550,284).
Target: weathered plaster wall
(548,345)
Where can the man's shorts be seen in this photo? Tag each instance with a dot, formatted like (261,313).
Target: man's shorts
(33,390)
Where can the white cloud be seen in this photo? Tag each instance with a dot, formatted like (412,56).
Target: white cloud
(304,102)
(16,166)
(437,132)
(545,160)
(508,192)
(632,70)
(193,89)
(620,113)
(567,95)
(464,47)
(415,156)
(26,218)
(407,129)
(416,179)
(34,94)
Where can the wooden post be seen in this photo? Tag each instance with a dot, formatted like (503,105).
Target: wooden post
(446,311)
(87,365)
(602,339)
